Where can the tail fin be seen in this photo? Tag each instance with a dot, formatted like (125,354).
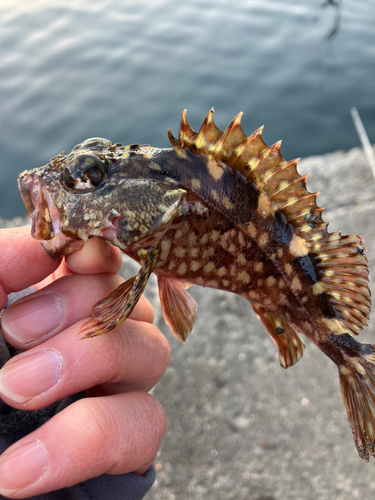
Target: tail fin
(357,381)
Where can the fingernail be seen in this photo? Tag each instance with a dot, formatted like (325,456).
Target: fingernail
(31,375)
(22,466)
(104,247)
(32,318)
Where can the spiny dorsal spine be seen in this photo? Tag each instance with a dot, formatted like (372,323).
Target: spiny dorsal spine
(260,164)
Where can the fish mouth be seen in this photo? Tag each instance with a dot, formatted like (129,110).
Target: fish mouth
(25,195)
(46,220)
(40,207)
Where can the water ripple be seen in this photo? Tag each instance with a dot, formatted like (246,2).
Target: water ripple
(125,70)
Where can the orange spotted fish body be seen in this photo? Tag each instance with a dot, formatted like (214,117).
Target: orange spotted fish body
(225,211)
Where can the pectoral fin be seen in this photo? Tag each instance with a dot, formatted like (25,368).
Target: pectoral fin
(288,341)
(114,309)
(179,308)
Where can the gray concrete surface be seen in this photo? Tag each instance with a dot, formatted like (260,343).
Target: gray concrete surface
(239,426)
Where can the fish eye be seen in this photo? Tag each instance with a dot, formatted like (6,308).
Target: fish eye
(85,173)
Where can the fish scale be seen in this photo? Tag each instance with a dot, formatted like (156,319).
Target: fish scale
(220,255)
(223,210)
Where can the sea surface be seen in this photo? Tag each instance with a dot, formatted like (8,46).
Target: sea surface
(125,70)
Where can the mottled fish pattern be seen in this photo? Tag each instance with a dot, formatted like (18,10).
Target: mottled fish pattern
(221,210)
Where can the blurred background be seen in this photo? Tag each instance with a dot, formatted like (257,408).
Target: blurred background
(239,427)
(125,70)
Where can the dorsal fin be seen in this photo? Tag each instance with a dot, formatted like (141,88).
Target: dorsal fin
(340,262)
(260,164)
(343,274)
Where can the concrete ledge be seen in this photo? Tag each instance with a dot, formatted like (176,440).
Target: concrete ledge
(239,426)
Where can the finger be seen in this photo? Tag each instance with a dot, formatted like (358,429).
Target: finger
(23,262)
(61,271)
(19,229)
(96,256)
(132,357)
(45,313)
(113,435)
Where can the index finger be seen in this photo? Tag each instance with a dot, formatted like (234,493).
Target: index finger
(96,256)
(23,262)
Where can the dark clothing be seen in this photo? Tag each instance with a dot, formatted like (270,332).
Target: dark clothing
(15,424)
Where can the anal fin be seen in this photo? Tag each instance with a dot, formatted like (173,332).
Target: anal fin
(286,338)
(179,308)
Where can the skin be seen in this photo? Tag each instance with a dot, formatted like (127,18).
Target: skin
(119,427)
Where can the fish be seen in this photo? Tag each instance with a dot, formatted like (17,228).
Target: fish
(223,210)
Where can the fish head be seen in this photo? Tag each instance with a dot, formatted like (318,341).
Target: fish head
(98,189)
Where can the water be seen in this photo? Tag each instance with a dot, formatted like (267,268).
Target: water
(125,70)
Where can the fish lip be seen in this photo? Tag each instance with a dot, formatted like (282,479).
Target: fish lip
(25,195)
(61,246)
(39,206)
(42,224)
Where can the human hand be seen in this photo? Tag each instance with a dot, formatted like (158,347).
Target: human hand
(119,427)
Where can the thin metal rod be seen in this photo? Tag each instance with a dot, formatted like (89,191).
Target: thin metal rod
(369,152)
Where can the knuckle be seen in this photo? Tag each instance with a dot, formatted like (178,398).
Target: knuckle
(159,420)
(164,351)
(143,425)
(148,351)
(160,353)
(87,414)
